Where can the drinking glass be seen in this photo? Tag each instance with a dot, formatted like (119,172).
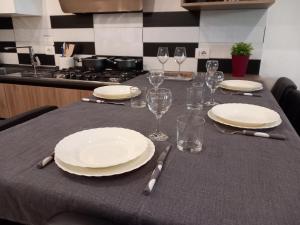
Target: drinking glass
(190,133)
(212,66)
(138,99)
(156,78)
(199,80)
(213,81)
(163,56)
(180,56)
(159,101)
(194,98)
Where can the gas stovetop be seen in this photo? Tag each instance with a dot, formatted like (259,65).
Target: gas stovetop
(109,75)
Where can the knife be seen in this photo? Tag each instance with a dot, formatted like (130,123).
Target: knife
(157,171)
(101,101)
(262,134)
(247,94)
(46,161)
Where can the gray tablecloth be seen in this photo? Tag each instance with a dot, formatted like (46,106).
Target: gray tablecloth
(236,180)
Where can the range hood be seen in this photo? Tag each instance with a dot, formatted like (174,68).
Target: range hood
(100,6)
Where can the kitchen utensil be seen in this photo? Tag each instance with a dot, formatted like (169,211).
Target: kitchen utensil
(158,170)
(240,93)
(46,161)
(101,101)
(250,133)
(94,63)
(125,64)
(264,126)
(115,92)
(245,114)
(241,85)
(69,50)
(101,147)
(110,171)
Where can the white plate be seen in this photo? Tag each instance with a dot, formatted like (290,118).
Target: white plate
(101,147)
(115,92)
(245,114)
(110,171)
(265,126)
(241,85)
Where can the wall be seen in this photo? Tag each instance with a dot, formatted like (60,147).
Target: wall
(281,50)
(163,23)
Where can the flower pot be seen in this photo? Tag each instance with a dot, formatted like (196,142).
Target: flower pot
(239,65)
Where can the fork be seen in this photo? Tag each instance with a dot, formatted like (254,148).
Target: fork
(250,133)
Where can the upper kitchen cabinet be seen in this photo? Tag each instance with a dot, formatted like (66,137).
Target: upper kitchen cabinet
(21,7)
(225,4)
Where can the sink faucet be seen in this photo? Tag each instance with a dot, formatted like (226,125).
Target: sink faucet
(34,60)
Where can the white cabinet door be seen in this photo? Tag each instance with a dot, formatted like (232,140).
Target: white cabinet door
(21,7)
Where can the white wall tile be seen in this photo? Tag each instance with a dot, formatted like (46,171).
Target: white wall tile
(31,22)
(119,41)
(9,58)
(118,20)
(162,5)
(28,35)
(37,47)
(7,35)
(229,26)
(190,64)
(171,34)
(53,7)
(83,34)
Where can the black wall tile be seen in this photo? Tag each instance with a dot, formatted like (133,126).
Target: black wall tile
(46,60)
(6,23)
(150,49)
(7,44)
(72,21)
(225,66)
(85,48)
(171,19)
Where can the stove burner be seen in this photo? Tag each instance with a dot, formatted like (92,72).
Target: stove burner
(108,75)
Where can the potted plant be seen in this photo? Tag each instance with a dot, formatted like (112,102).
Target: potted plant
(240,57)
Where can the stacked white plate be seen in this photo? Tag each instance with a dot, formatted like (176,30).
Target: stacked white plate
(115,92)
(245,116)
(103,152)
(241,85)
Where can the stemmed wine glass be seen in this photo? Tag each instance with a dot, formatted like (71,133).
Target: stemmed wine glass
(163,56)
(156,78)
(159,101)
(213,81)
(180,56)
(212,66)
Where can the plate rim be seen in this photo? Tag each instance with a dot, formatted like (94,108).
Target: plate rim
(265,126)
(93,129)
(151,149)
(242,89)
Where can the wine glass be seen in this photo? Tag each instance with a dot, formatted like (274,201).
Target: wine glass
(156,78)
(180,56)
(159,101)
(163,56)
(212,66)
(213,81)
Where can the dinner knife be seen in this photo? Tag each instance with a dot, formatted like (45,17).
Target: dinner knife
(262,134)
(101,101)
(247,94)
(157,171)
(46,161)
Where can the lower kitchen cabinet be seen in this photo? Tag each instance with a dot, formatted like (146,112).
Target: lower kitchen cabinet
(15,99)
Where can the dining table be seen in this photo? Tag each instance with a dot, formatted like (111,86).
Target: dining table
(234,180)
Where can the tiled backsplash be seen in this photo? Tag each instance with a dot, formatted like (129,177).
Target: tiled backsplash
(163,23)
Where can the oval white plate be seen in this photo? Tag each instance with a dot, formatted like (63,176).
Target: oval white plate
(110,171)
(101,147)
(265,126)
(241,85)
(245,114)
(115,92)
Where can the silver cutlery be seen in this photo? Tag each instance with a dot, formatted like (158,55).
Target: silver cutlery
(46,161)
(101,101)
(251,133)
(241,93)
(157,171)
